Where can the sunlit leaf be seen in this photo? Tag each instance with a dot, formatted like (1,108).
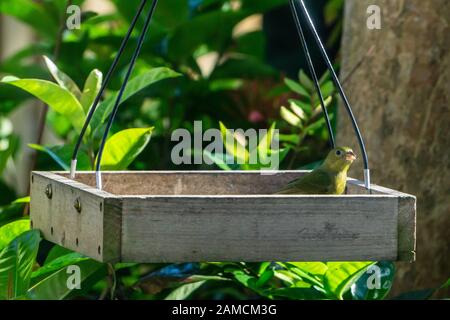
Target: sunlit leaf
(12,230)
(16,264)
(91,89)
(341,275)
(183,292)
(55,286)
(290,117)
(62,79)
(123,147)
(59,99)
(134,86)
(234,145)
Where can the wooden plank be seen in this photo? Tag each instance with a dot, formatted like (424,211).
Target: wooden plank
(93,231)
(259,228)
(407,217)
(190,182)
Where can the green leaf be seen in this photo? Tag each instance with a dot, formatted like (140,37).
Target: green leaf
(32,14)
(91,89)
(59,263)
(297,110)
(59,99)
(16,264)
(55,286)
(233,146)
(313,268)
(341,275)
(183,292)
(134,86)
(305,81)
(290,117)
(53,155)
(62,79)
(22,200)
(296,87)
(12,230)
(123,147)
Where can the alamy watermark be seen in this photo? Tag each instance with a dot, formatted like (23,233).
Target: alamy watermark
(251,146)
(374,18)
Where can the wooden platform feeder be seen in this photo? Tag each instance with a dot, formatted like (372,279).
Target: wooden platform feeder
(219,216)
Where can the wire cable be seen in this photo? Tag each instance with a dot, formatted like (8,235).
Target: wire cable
(121,92)
(341,92)
(312,71)
(103,88)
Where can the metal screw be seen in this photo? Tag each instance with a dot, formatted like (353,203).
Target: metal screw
(77,205)
(48,191)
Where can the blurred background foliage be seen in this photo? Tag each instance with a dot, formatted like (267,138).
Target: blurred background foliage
(236,62)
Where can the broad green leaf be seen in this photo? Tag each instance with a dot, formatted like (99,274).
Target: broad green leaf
(264,278)
(91,89)
(290,117)
(53,155)
(62,79)
(287,276)
(234,145)
(16,264)
(59,99)
(32,14)
(183,292)
(134,86)
(305,81)
(63,154)
(12,230)
(56,252)
(297,110)
(58,263)
(22,200)
(123,147)
(341,275)
(296,87)
(58,285)
(318,110)
(313,268)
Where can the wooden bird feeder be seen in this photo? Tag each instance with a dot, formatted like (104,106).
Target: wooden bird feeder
(219,216)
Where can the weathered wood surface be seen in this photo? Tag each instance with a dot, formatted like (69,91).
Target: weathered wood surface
(93,231)
(259,228)
(190,182)
(221,216)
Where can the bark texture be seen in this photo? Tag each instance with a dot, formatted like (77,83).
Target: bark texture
(400,94)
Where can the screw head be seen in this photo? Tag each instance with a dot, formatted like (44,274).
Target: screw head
(48,191)
(77,205)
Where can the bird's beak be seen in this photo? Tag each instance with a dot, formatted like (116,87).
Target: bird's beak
(350,156)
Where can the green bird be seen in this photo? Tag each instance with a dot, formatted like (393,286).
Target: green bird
(329,178)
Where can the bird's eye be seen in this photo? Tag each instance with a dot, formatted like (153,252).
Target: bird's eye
(339,153)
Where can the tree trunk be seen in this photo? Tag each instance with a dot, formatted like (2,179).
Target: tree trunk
(398,81)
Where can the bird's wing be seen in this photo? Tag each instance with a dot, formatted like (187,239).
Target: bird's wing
(316,182)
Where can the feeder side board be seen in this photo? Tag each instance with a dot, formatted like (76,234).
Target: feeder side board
(76,216)
(259,228)
(407,217)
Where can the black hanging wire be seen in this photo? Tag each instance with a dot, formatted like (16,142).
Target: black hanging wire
(312,71)
(103,87)
(338,85)
(121,92)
